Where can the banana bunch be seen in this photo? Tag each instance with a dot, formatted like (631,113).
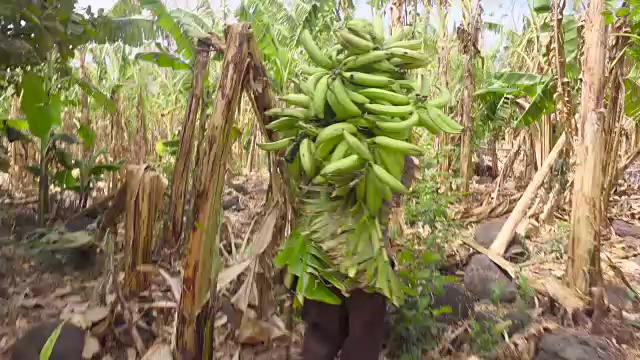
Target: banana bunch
(347,133)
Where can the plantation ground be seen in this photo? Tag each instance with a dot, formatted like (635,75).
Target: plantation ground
(43,287)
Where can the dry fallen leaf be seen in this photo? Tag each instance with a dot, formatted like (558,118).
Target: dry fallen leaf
(62,291)
(96,314)
(91,346)
(253,331)
(158,351)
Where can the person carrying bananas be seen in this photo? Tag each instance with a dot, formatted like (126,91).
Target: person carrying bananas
(355,328)
(348,138)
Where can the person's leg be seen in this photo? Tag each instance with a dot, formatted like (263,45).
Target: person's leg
(366,313)
(326,328)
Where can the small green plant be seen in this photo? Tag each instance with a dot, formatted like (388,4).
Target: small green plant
(497,293)
(485,336)
(427,203)
(45,353)
(525,291)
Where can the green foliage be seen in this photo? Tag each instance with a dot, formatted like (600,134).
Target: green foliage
(427,203)
(41,109)
(167,22)
(414,328)
(309,263)
(45,353)
(485,335)
(165,60)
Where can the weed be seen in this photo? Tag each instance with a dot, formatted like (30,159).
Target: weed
(413,328)
(525,291)
(485,336)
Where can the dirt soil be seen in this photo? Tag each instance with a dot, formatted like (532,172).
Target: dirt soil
(45,288)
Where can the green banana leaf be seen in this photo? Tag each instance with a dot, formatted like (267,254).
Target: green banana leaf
(42,111)
(518,79)
(541,6)
(99,97)
(165,60)
(168,23)
(541,104)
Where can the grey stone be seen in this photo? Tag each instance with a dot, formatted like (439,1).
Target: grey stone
(483,278)
(566,345)
(455,296)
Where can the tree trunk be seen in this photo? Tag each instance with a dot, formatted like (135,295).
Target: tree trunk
(140,147)
(615,108)
(443,71)
(194,335)
(397,15)
(583,261)
(84,100)
(493,150)
(468,35)
(180,176)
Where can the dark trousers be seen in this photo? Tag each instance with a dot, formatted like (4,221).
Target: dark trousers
(355,328)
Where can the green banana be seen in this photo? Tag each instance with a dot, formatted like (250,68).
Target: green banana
(398,135)
(357,61)
(340,151)
(301,100)
(304,87)
(392,161)
(307,159)
(320,96)
(353,41)
(308,128)
(311,70)
(385,66)
(276,145)
(348,164)
(323,150)
(411,85)
(427,123)
(408,55)
(373,198)
(390,110)
(398,145)
(290,112)
(358,147)
(342,97)
(388,179)
(356,97)
(378,29)
(365,79)
(358,121)
(361,190)
(282,123)
(334,130)
(441,120)
(385,95)
(336,106)
(399,35)
(412,65)
(360,27)
(312,81)
(406,44)
(314,52)
(400,125)
(442,100)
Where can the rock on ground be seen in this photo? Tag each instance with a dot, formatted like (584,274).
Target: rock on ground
(567,345)
(624,229)
(487,232)
(460,301)
(69,345)
(483,278)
